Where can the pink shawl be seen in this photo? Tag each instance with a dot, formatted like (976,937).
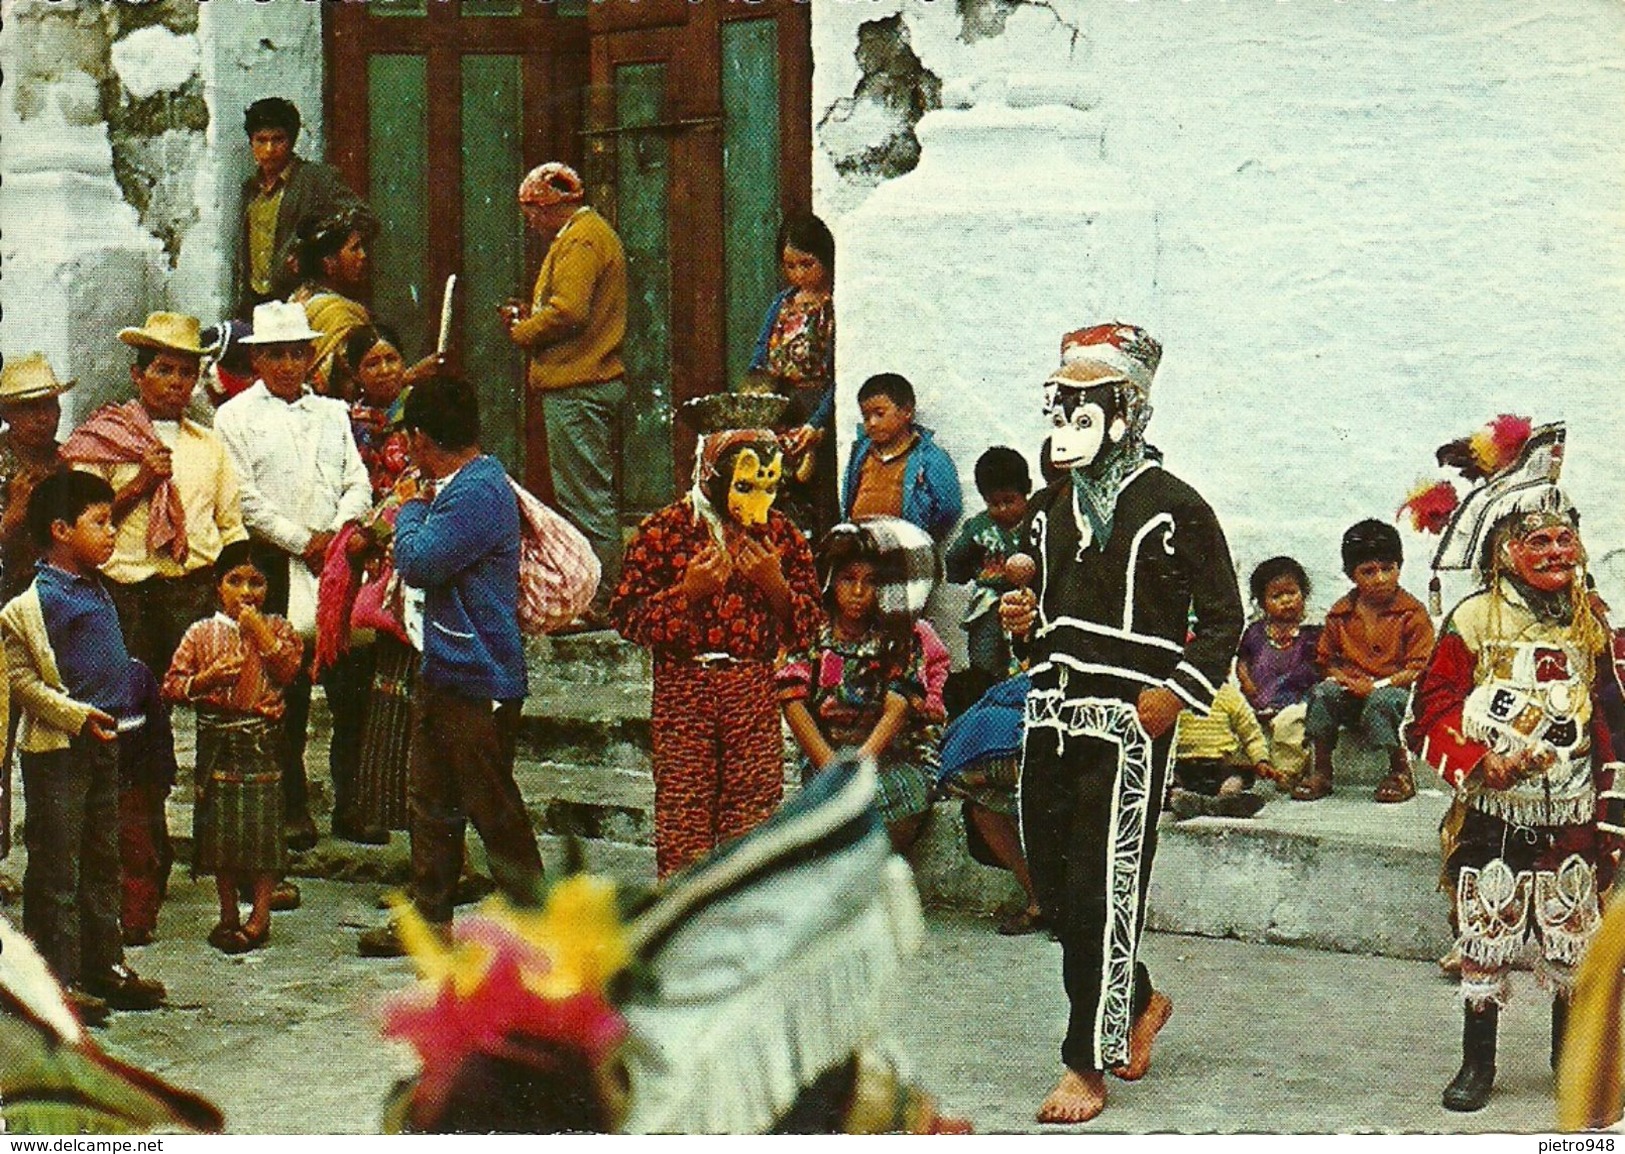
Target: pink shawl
(122,435)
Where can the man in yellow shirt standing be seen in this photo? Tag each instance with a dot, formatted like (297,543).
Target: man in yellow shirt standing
(573,329)
(175,506)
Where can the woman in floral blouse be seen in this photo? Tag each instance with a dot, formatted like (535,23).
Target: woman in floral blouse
(868,683)
(796,349)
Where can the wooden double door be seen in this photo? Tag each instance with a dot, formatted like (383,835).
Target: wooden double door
(691,124)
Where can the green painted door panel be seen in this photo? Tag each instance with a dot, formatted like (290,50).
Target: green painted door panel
(643,163)
(750,182)
(493,259)
(398,147)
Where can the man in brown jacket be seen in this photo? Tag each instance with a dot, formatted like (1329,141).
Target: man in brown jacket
(573,330)
(284,191)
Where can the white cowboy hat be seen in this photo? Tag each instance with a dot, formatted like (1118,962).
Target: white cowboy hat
(280,323)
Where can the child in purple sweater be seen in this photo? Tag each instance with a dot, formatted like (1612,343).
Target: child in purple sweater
(1276,661)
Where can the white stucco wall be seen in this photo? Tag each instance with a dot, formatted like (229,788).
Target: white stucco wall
(92,91)
(1379,224)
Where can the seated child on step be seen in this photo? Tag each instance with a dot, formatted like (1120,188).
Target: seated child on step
(869,681)
(1216,758)
(1276,661)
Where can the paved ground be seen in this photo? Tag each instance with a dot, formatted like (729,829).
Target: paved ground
(1263,1038)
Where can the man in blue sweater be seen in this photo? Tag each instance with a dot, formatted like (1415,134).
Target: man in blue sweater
(458,542)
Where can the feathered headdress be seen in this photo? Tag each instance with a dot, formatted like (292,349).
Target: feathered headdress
(509,974)
(1514,467)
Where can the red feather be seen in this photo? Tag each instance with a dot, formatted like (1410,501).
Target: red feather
(1509,432)
(1431,507)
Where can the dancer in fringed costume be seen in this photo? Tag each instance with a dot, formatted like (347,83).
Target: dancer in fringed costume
(1518,710)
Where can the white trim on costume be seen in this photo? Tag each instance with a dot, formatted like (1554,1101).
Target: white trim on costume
(1134,560)
(1115,721)
(1113,631)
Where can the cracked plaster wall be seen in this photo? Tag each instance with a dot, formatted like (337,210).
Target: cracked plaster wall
(1380,223)
(122,153)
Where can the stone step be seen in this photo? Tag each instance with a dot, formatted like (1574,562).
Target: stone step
(1343,873)
(599,657)
(629,863)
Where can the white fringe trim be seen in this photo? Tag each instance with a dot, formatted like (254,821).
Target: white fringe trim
(1555,977)
(1493,953)
(1537,809)
(735,1067)
(1564,948)
(1481,995)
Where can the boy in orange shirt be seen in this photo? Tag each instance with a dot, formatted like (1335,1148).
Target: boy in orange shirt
(1375,645)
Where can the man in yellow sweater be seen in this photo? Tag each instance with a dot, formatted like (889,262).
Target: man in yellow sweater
(573,329)
(1216,758)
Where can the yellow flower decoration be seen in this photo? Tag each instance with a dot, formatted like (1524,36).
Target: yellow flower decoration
(579,929)
(463,962)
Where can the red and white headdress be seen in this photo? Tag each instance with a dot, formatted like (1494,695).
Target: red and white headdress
(552,183)
(1127,349)
(1514,466)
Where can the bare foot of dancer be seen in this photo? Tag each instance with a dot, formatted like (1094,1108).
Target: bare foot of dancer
(1152,1019)
(1076,1098)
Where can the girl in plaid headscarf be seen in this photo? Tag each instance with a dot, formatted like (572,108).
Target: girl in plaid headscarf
(872,678)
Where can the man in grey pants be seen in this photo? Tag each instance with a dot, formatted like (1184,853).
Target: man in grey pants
(573,329)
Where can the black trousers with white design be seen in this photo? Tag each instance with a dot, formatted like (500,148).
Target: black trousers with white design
(1089,809)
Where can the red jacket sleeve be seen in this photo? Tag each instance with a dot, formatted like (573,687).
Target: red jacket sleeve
(649,606)
(1435,731)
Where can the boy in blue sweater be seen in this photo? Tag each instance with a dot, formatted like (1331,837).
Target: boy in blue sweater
(897,469)
(70,677)
(458,542)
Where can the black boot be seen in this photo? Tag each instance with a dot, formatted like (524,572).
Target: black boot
(1470,1089)
(1560,1026)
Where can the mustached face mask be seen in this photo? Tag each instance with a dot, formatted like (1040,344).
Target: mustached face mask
(1545,552)
(1084,423)
(753,486)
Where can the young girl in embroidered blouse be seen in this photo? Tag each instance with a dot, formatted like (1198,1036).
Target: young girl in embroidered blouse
(868,683)
(1276,661)
(232,668)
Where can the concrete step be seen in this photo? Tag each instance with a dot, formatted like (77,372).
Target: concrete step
(1339,874)
(632,864)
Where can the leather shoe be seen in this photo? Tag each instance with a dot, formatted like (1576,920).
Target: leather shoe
(299,831)
(285,896)
(385,941)
(124,989)
(90,1010)
(352,830)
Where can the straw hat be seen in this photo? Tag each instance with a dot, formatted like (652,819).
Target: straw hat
(29,379)
(280,323)
(167,332)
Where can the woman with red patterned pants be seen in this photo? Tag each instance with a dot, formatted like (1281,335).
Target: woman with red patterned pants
(716,584)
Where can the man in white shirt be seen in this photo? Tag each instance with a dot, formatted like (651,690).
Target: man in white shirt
(302,480)
(176,506)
